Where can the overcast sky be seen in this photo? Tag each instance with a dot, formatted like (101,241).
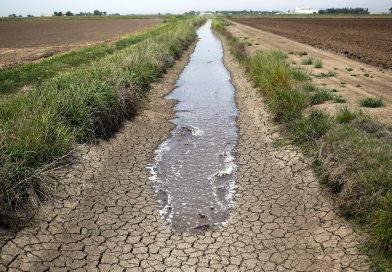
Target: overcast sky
(38,7)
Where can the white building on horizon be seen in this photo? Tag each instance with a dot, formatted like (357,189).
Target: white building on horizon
(304,10)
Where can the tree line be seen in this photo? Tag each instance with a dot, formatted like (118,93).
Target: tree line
(68,13)
(344,11)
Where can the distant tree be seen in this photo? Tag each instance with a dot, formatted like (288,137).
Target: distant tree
(390,10)
(20,16)
(97,12)
(30,15)
(12,15)
(68,13)
(104,13)
(345,11)
(57,13)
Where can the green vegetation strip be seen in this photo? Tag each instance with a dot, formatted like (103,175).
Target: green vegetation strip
(41,126)
(15,77)
(352,151)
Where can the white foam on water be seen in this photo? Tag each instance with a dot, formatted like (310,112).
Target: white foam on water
(197,131)
(230,168)
(165,209)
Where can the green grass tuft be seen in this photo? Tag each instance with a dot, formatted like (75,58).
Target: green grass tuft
(324,75)
(287,105)
(307,61)
(318,63)
(339,99)
(271,72)
(372,102)
(320,96)
(306,131)
(345,115)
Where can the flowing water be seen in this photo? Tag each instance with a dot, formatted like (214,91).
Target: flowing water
(193,172)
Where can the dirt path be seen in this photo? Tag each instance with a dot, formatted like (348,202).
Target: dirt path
(362,81)
(108,220)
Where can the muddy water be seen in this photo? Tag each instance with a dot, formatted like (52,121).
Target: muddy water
(193,171)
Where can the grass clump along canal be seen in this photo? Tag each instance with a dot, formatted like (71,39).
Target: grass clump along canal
(351,151)
(44,124)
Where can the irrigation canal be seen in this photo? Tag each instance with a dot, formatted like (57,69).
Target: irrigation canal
(193,171)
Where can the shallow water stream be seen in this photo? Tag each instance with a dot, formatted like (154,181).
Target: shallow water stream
(193,172)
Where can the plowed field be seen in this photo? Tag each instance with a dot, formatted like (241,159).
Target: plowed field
(366,39)
(29,40)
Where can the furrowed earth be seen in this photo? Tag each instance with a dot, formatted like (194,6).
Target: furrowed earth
(365,39)
(29,40)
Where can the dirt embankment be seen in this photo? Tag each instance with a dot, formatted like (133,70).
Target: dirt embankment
(353,80)
(364,39)
(108,219)
(29,40)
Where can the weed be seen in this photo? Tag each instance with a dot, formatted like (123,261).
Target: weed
(287,105)
(366,75)
(320,96)
(318,63)
(302,53)
(270,72)
(308,130)
(349,69)
(281,142)
(324,75)
(339,99)
(307,61)
(309,87)
(346,115)
(300,75)
(372,102)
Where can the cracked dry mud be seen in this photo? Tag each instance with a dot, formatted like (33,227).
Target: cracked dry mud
(107,218)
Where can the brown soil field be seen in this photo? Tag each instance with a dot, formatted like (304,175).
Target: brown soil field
(368,40)
(33,39)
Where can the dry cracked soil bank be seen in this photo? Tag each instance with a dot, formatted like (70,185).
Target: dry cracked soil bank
(106,218)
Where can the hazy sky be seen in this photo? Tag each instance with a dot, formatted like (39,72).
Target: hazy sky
(38,7)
